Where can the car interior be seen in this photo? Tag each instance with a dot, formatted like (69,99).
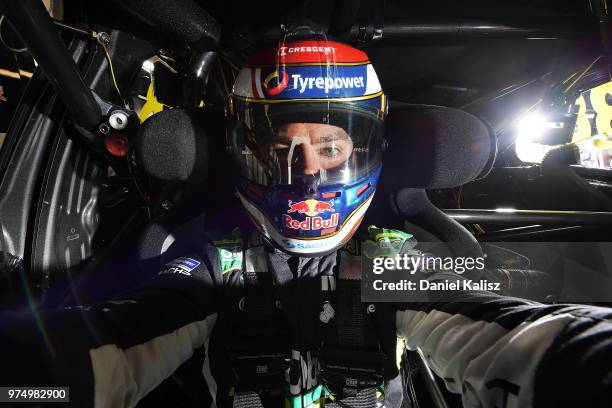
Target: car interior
(87,211)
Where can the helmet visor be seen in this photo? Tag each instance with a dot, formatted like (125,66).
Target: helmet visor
(334,143)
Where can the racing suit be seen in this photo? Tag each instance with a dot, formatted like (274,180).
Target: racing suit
(495,351)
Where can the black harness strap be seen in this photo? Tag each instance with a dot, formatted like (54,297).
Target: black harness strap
(348,345)
(350,355)
(358,344)
(259,347)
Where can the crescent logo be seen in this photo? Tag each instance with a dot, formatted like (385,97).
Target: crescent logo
(282,81)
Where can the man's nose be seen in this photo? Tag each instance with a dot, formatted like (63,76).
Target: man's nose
(309,158)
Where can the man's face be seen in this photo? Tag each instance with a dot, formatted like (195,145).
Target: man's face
(316,146)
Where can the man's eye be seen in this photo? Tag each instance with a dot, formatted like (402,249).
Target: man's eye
(329,151)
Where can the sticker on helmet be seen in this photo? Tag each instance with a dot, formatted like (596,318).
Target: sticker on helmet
(311,208)
(308,52)
(301,83)
(314,82)
(310,223)
(275,83)
(282,50)
(307,82)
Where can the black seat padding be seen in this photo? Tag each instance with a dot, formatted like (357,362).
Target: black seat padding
(566,188)
(161,234)
(431,147)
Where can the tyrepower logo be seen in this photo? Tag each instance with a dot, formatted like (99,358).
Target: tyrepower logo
(311,208)
(303,83)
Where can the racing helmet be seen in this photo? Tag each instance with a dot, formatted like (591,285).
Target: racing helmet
(306,132)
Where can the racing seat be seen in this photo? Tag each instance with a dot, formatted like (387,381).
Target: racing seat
(174,148)
(433,147)
(430,147)
(180,224)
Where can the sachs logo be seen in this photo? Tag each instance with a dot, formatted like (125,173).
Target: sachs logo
(279,80)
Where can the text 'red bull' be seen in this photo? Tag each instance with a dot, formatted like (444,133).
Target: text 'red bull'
(311,208)
(311,223)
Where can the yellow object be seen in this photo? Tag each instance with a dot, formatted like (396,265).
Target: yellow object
(581,74)
(582,131)
(112,71)
(602,144)
(604,111)
(400,347)
(151,106)
(15,75)
(595,122)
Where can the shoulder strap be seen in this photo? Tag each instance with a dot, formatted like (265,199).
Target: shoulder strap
(358,339)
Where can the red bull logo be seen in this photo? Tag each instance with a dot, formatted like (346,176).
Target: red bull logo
(311,208)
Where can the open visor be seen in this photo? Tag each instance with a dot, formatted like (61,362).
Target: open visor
(335,143)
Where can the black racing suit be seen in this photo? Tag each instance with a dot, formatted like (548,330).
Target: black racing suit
(495,351)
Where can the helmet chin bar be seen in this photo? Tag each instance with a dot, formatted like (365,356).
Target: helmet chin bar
(306,247)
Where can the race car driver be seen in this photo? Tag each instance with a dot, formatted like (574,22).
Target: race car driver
(277,305)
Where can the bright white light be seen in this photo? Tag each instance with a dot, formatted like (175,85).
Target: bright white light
(505,210)
(529,128)
(148,66)
(346,176)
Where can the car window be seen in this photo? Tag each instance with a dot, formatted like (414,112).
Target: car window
(15,72)
(16,67)
(592,132)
